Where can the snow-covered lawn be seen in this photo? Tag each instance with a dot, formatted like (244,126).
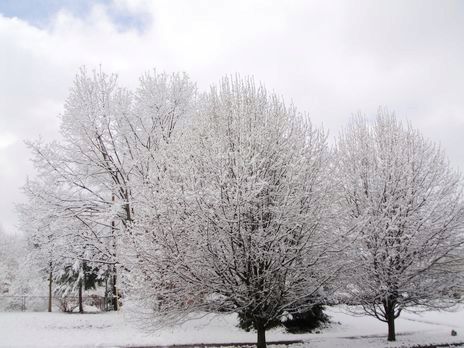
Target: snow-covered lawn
(115,330)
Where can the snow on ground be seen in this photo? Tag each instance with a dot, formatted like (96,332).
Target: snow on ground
(115,330)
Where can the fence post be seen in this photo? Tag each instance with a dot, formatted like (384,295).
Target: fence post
(23,303)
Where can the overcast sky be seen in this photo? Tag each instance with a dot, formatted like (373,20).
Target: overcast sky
(332,58)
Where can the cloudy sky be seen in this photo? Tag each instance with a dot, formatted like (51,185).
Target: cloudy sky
(332,58)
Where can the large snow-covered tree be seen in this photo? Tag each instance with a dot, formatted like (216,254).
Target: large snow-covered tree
(92,177)
(404,203)
(241,223)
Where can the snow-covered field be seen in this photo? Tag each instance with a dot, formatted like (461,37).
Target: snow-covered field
(115,330)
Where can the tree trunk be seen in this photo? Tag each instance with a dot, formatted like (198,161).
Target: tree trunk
(391,328)
(389,305)
(115,278)
(106,292)
(261,336)
(115,292)
(50,291)
(81,306)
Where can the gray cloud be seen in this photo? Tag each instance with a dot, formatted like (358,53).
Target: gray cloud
(331,58)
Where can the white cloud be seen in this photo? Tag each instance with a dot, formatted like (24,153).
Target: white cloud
(332,58)
(133,6)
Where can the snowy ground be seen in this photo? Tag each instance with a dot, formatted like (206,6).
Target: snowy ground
(114,330)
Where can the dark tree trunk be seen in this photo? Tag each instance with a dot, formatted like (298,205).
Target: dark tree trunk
(50,277)
(391,327)
(390,316)
(261,336)
(115,292)
(81,306)
(115,289)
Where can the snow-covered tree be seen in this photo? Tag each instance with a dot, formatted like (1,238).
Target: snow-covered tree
(76,181)
(90,180)
(241,220)
(404,203)
(47,247)
(11,253)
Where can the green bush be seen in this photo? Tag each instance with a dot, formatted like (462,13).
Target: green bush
(307,321)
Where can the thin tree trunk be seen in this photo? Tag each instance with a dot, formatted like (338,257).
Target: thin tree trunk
(106,291)
(261,336)
(115,278)
(81,306)
(115,292)
(50,291)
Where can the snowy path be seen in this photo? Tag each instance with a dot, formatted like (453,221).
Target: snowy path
(114,330)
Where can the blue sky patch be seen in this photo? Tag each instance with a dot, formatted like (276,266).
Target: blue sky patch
(39,12)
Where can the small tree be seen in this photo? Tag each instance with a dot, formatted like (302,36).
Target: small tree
(42,243)
(11,255)
(241,223)
(398,192)
(77,277)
